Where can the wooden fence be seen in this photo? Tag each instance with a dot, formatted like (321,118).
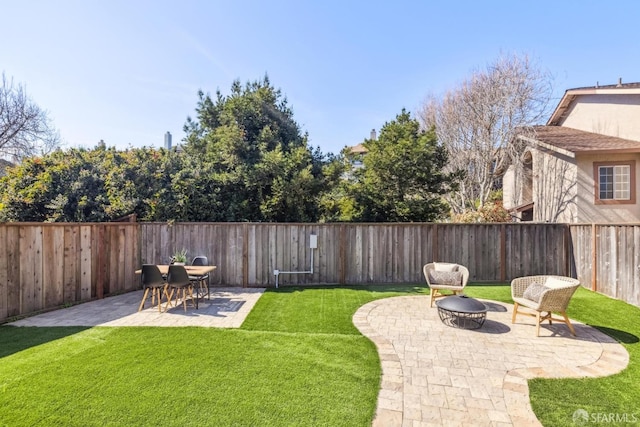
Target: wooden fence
(248,253)
(606,259)
(48,265)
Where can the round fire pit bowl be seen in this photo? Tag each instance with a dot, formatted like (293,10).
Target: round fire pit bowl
(461,311)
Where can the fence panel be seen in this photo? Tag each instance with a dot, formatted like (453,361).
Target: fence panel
(43,266)
(47,265)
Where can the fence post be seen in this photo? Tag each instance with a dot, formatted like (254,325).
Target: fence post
(245,255)
(503,253)
(341,255)
(568,251)
(594,258)
(101,268)
(435,243)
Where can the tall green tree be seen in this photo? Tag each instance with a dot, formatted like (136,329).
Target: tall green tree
(260,161)
(402,178)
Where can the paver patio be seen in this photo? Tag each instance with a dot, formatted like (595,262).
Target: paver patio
(436,375)
(227,308)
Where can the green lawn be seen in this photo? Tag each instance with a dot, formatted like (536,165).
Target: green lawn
(297,360)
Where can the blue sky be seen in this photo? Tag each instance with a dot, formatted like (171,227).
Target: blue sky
(128,71)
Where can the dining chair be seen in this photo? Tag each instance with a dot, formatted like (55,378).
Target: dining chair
(179,282)
(153,279)
(203,280)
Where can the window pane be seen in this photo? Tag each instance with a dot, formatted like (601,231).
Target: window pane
(606,182)
(622,182)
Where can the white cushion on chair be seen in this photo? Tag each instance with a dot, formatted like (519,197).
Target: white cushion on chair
(440,266)
(554,283)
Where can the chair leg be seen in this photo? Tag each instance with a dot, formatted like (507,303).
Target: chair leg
(566,319)
(166,293)
(184,298)
(205,285)
(170,298)
(515,311)
(194,301)
(537,323)
(433,295)
(144,298)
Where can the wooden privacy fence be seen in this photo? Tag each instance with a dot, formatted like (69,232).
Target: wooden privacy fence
(48,265)
(248,253)
(606,259)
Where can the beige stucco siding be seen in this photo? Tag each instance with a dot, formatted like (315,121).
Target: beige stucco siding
(554,187)
(509,195)
(589,211)
(613,115)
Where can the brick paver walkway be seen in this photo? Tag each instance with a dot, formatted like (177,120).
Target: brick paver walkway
(227,308)
(435,375)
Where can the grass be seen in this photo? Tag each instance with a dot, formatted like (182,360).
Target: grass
(297,360)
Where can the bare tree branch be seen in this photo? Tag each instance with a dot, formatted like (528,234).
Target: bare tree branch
(477,123)
(25,128)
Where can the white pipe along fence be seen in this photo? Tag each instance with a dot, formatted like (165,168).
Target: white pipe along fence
(313,244)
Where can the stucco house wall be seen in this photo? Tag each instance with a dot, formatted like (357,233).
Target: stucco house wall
(602,213)
(606,114)
(509,194)
(555,192)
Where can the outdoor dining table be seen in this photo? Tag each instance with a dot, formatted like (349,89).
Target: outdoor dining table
(192,270)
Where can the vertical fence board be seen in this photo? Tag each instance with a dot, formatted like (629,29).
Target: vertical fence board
(32,296)
(14,265)
(85,263)
(119,249)
(254,262)
(3,273)
(53,266)
(634,297)
(70,264)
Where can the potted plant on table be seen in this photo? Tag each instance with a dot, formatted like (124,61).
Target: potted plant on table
(179,258)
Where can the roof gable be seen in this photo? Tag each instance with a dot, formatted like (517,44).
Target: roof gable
(571,95)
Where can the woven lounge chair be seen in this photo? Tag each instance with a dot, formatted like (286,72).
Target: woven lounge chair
(435,274)
(550,294)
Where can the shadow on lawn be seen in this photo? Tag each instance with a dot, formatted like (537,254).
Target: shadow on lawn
(617,334)
(14,339)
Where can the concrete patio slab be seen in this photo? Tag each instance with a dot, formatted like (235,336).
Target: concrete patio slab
(226,308)
(436,375)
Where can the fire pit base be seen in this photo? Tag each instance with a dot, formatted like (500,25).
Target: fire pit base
(461,311)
